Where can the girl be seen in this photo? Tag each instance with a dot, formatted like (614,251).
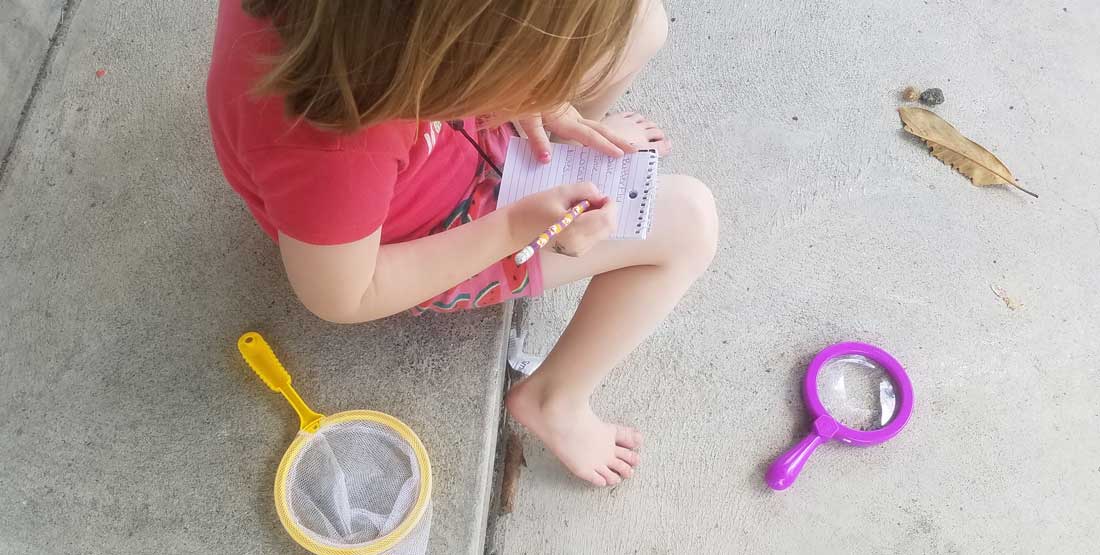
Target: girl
(344,125)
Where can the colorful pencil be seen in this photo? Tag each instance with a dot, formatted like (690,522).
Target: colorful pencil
(529,251)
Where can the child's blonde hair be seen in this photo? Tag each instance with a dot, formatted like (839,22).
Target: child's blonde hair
(347,64)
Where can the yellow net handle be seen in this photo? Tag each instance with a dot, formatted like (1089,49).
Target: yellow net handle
(258,354)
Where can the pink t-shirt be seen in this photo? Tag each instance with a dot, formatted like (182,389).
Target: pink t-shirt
(322,187)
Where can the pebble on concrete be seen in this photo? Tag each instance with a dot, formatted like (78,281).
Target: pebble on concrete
(932,97)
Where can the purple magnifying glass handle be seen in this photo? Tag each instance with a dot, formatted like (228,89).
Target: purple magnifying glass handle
(785,469)
(782,473)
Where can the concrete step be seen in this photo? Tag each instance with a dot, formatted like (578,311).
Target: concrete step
(129,268)
(26,28)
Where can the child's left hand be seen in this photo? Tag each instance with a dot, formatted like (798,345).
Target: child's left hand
(567,123)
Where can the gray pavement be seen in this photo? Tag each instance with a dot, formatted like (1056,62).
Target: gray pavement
(838,227)
(26,27)
(128,268)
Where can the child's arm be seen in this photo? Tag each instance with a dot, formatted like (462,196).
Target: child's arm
(363,280)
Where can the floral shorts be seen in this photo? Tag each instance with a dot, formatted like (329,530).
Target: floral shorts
(501,281)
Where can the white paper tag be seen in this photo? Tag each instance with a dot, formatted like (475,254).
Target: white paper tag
(517,359)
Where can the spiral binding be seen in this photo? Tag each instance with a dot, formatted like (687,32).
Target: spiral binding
(649,191)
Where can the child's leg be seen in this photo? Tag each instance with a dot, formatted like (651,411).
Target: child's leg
(636,284)
(646,38)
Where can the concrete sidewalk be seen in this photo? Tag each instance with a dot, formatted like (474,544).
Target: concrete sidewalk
(127,270)
(839,227)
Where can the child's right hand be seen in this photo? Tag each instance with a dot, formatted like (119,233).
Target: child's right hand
(531,216)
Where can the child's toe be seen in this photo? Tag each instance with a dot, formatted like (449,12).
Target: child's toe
(609,475)
(661,144)
(627,437)
(628,456)
(621,468)
(594,478)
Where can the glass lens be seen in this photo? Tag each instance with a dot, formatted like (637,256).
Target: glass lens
(856,392)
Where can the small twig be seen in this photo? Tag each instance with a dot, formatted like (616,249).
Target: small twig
(509,483)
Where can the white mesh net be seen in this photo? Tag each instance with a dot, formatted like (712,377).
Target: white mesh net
(354,482)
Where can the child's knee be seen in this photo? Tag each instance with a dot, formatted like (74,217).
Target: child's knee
(693,217)
(648,35)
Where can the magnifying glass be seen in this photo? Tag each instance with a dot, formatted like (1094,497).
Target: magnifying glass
(857,394)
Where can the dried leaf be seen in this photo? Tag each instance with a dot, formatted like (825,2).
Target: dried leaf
(513,460)
(955,150)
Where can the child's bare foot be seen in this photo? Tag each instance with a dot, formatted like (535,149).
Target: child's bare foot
(641,132)
(590,448)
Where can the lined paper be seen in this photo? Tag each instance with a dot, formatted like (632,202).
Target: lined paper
(622,178)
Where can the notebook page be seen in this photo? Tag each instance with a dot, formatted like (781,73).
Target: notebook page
(628,180)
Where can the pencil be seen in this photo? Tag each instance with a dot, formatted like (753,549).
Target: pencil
(529,251)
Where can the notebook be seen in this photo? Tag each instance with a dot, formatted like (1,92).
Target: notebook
(631,180)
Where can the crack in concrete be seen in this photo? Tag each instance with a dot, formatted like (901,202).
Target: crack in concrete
(57,39)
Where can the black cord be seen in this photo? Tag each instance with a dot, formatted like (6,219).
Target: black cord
(459,125)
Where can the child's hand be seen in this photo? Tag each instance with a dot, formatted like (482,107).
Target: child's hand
(533,214)
(568,124)
(589,229)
